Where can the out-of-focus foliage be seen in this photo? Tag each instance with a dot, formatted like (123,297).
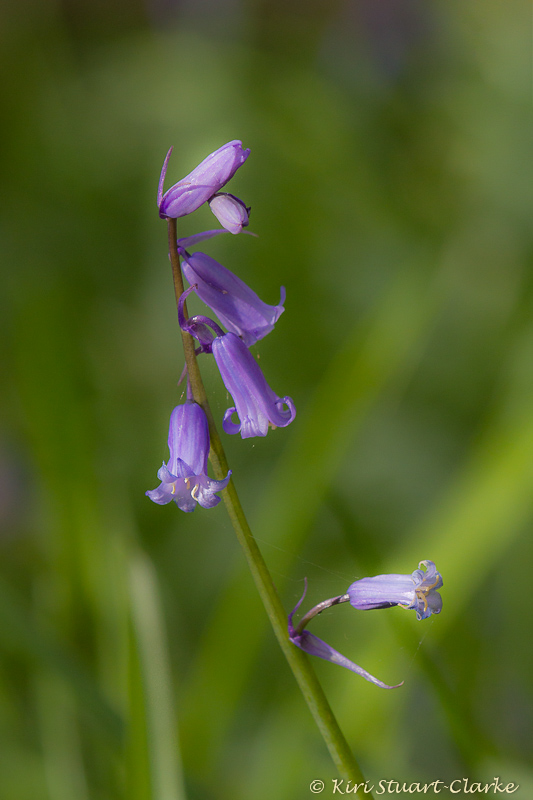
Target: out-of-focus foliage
(389,186)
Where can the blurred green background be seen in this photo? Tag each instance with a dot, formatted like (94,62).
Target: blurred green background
(389,188)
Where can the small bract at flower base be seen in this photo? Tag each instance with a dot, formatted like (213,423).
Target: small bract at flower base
(184,479)
(202,183)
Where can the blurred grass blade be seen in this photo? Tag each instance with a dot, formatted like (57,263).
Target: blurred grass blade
(19,633)
(62,751)
(154,690)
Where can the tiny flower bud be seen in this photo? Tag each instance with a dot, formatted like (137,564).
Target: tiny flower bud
(230,211)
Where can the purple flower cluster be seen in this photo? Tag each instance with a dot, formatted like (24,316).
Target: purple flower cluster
(238,308)
(256,407)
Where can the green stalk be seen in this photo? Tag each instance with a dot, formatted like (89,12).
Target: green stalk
(298,661)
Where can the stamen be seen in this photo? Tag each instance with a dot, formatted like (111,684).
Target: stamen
(420,593)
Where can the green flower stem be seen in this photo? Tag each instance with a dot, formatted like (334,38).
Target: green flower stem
(298,661)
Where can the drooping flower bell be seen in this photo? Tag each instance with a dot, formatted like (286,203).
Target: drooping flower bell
(184,479)
(256,404)
(202,183)
(237,306)
(417,591)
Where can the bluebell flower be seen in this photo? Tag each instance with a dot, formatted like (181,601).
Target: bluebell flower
(256,404)
(317,647)
(230,211)
(237,306)
(202,183)
(184,479)
(417,591)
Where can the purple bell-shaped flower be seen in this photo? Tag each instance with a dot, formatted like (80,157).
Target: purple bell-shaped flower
(237,306)
(184,479)
(417,591)
(256,404)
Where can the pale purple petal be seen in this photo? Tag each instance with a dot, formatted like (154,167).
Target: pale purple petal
(230,211)
(206,488)
(316,647)
(177,490)
(188,438)
(382,591)
(192,241)
(187,242)
(162,177)
(426,584)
